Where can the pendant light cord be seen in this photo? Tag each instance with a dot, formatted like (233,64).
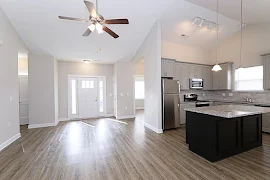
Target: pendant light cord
(241,41)
(217,30)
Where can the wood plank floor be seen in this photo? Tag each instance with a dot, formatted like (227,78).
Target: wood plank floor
(110,149)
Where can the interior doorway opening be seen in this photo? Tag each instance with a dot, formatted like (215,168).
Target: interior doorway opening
(23,89)
(86,96)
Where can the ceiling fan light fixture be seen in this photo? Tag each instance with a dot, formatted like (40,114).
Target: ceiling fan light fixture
(216,68)
(98,27)
(201,23)
(100,31)
(92,27)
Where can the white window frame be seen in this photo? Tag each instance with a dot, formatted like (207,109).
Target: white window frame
(245,90)
(99,78)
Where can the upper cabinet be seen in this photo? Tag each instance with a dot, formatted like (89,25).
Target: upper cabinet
(167,67)
(182,74)
(207,78)
(222,80)
(266,72)
(195,71)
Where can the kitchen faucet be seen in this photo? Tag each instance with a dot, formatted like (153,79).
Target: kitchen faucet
(247,99)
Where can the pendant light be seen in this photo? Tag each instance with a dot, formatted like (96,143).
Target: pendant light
(241,34)
(217,66)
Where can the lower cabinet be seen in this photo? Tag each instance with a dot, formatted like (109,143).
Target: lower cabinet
(216,138)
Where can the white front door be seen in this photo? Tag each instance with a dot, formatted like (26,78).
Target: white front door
(87,97)
(23,95)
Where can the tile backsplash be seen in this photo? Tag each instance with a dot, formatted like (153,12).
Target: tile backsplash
(257,97)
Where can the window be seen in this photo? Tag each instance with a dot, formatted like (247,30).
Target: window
(249,78)
(73,97)
(139,87)
(87,84)
(101,99)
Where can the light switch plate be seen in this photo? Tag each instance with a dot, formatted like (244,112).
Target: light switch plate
(1,42)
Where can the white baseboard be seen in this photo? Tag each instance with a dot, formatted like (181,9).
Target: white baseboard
(33,126)
(139,108)
(64,119)
(8,142)
(125,117)
(264,129)
(159,131)
(109,115)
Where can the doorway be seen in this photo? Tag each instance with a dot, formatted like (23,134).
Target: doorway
(87,96)
(23,100)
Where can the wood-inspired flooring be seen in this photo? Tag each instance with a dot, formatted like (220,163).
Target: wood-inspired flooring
(110,149)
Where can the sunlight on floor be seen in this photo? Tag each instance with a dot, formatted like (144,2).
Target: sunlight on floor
(117,121)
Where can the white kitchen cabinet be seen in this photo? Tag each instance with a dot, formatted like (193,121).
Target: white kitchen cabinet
(207,78)
(222,80)
(195,71)
(266,71)
(183,112)
(181,73)
(167,67)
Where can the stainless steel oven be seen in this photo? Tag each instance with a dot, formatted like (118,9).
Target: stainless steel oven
(196,83)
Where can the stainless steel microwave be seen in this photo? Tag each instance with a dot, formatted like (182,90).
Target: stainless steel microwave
(196,83)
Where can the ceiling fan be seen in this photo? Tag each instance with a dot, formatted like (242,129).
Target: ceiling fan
(97,21)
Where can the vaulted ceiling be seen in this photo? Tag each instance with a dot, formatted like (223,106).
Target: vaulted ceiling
(37,23)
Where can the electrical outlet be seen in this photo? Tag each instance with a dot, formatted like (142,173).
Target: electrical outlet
(223,94)
(128,94)
(231,94)
(8,124)
(10,98)
(1,42)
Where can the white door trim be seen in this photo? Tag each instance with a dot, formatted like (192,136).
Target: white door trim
(70,116)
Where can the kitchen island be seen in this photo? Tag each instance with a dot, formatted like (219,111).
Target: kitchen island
(217,132)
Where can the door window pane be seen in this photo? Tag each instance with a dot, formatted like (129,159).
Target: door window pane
(73,97)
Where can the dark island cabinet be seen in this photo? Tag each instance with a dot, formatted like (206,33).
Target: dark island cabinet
(215,138)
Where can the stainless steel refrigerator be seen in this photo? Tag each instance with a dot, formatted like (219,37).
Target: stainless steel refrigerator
(170,103)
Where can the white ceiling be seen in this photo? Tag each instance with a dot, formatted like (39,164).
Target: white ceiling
(178,20)
(255,11)
(37,23)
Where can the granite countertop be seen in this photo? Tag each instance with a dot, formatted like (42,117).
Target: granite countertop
(229,111)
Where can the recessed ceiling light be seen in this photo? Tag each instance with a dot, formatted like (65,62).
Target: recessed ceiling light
(86,61)
(184,36)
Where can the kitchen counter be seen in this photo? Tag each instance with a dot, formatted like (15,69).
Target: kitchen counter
(230,111)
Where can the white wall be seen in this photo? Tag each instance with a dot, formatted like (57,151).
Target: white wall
(186,53)
(256,41)
(22,66)
(42,91)
(150,51)
(91,69)
(125,90)
(9,81)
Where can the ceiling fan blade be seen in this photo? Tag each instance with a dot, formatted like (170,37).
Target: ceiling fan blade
(87,32)
(91,8)
(73,19)
(110,32)
(116,21)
